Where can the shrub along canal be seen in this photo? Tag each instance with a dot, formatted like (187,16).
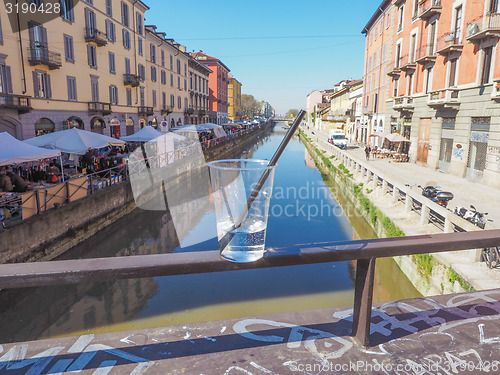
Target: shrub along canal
(304,209)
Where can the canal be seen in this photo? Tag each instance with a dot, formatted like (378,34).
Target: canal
(305,208)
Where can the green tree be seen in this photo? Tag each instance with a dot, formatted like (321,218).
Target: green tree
(249,106)
(292,113)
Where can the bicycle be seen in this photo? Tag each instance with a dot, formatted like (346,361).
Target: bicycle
(491,255)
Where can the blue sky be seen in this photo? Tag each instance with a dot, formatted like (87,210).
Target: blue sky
(279,50)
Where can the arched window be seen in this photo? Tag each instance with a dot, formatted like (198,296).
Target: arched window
(179,102)
(44,126)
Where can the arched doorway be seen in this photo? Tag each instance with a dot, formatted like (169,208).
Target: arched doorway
(172,124)
(154,123)
(76,122)
(97,125)
(129,124)
(44,126)
(9,125)
(142,123)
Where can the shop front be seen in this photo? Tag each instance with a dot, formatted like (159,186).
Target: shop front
(97,125)
(114,128)
(44,126)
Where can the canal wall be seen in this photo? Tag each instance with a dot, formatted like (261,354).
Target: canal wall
(428,274)
(48,235)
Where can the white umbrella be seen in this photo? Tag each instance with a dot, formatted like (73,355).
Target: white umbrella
(146,134)
(14,151)
(395,137)
(74,141)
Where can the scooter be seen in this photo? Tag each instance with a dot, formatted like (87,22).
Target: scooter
(435,194)
(473,216)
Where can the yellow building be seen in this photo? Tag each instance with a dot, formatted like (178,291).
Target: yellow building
(85,68)
(235,111)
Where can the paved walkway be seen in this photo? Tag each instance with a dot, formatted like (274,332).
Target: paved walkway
(454,334)
(484,198)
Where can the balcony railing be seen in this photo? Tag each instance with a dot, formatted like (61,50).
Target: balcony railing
(19,102)
(166,110)
(429,8)
(39,54)
(488,26)
(145,111)
(449,97)
(450,42)
(426,54)
(99,108)
(396,68)
(96,36)
(189,111)
(131,80)
(403,103)
(367,111)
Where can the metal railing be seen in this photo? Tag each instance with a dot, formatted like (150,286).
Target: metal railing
(96,36)
(40,54)
(429,8)
(131,80)
(426,50)
(100,108)
(448,40)
(477,30)
(19,102)
(145,111)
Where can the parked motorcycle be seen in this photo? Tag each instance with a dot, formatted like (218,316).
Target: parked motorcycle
(473,216)
(435,194)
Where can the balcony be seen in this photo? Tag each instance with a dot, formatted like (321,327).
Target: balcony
(446,98)
(96,36)
(403,104)
(408,64)
(131,80)
(495,93)
(145,111)
(426,54)
(398,2)
(166,110)
(39,54)
(488,26)
(200,112)
(429,9)
(189,111)
(396,70)
(98,108)
(367,111)
(449,43)
(19,102)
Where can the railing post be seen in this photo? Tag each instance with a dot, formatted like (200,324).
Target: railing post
(424,214)
(384,186)
(408,203)
(363,295)
(448,227)
(394,193)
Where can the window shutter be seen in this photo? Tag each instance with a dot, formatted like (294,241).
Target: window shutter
(44,36)
(70,92)
(35,85)
(47,84)
(89,54)
(8,78)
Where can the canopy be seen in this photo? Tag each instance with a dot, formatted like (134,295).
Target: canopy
(379,134)
(74,141)
(395,137)
(14,151)
(146,134)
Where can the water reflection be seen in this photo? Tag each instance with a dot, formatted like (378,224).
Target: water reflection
(130,304)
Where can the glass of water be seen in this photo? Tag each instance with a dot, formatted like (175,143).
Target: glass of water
(241,230)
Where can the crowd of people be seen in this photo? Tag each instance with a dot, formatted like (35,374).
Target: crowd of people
(20,179)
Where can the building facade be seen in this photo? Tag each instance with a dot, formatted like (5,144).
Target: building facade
(444,85)
(198,91)
(218,84)
(81,69)
(235,110)
(378,49)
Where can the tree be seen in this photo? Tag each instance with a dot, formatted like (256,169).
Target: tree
(292,113)
(249,106)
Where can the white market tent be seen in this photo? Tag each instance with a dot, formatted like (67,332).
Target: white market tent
(146,134)
(74,141)
(217,129)
(14,151)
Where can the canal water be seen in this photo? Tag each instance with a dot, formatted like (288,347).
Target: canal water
(304,208)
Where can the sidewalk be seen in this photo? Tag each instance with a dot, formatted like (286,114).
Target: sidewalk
(485,199)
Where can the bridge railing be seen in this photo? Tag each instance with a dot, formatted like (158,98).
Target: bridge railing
(364,252)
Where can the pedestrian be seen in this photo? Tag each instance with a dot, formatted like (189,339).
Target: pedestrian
(367,152)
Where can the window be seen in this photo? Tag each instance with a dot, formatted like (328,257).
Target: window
(163,58)
(185,103)
(164,99)
(125,20)
(139,46)
(126,38)
(400,17)
(92,55)
(179,102)
(90,21)
(5,79)
(142,72)
(185,84)
(428,80)
(41,84)
(415,8)
(154,98)
(153,74)
(494,6)
(113,94)
(129,97)
(486,67)
(452,72)
(431,49)
(112,65)
(388,21)
(171,80)
(171,62)
(127,65)
(178,82)
(458,24)
(413,46)
(397,61)
(68,48)
(109,8)
(163,77)
(139,23)
(178,66)
(72,89)
(142,96)
(409,79)
(110,31)
(94,88)
(396,84)
(152,53)
(67,10)
(172,101)
(185,70)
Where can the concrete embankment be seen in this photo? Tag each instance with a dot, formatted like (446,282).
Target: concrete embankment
(445,273)
(53,232)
